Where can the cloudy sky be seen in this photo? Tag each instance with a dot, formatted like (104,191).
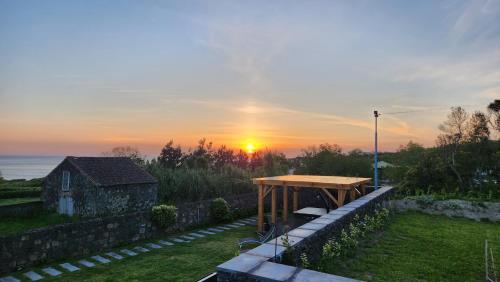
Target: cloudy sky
(80,77)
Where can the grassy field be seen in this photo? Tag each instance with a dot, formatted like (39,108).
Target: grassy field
(181,262)
(13,225)
(419,247)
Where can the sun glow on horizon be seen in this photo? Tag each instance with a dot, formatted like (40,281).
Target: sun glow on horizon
(250,148)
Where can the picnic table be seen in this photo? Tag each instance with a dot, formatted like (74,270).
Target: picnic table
(339,185)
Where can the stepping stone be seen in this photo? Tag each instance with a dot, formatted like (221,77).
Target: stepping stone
(166,243)
(239,224)
(128,252)
(9,279)
(223,227)
(140,249)
(115,255)
(51,271)
(188,237)
(206,232)
(197,235)
(101,259)
(233,226)
(178,240)
(69,267)
(215,230)
(33,276)
(153,246)
(86,263)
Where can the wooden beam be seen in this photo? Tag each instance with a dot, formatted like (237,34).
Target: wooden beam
(295,198)
(285,203)
(330,196)
(267,191)
(260,218)
(341,197)
(274,210)
(357,191)
(352,193)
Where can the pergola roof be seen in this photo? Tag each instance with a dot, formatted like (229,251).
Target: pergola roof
(319,181)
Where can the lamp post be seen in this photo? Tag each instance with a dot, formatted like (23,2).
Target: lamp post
(376,114)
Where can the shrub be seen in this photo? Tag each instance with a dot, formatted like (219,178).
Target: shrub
(164,215)
(219,210)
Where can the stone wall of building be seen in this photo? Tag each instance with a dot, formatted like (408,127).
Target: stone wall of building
(110,200)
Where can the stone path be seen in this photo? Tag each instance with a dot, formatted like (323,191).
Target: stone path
(52,271)
(60,269)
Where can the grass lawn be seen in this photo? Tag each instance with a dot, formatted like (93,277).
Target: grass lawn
(12,225)
(181,262)
(420,247)
(14,201)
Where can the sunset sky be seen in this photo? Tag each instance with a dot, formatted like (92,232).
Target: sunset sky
(81,77)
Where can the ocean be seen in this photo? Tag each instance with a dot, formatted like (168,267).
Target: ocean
(27,167)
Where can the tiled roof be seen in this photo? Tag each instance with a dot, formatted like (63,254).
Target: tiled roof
(109,171)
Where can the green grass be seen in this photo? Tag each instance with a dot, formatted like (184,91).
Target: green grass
(181,262)
(13,225)
(15,201)
(420,247)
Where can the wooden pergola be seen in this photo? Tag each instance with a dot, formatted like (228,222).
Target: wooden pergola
(327,184)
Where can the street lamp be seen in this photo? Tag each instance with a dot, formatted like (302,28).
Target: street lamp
(376,114)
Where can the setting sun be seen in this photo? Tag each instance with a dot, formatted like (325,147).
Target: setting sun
(250,148)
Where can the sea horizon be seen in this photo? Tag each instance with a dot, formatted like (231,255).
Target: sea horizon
(27,166)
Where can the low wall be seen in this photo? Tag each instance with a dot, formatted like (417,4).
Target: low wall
(452,208)
(72,239)
(257,264)
(88,236)
(24,209)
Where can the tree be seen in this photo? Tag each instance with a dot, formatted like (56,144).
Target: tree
(170,156)
(241,159)
(454,134)
(477,128)
(201,156)
(223,156)
(126,151)
(494,110)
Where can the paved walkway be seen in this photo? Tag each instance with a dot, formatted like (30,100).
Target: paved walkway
(109,257)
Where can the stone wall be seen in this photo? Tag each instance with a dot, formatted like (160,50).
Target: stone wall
(257,264)
(453,208)
(72,239)
(21,210)
(94,235)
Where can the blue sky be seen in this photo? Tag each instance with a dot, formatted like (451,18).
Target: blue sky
(79,77)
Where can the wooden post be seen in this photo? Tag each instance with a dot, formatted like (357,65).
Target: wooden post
(285,203)
(363,189)
(260,220)
(295,198)
(341,197)
(274,212)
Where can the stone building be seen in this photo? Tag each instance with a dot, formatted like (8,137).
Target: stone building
(94,186)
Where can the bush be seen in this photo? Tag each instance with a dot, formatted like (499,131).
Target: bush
(219,210)
(164,215)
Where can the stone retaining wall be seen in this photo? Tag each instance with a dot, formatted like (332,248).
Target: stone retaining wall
(24,209)
(452,208)
(94,235)
(257,264)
